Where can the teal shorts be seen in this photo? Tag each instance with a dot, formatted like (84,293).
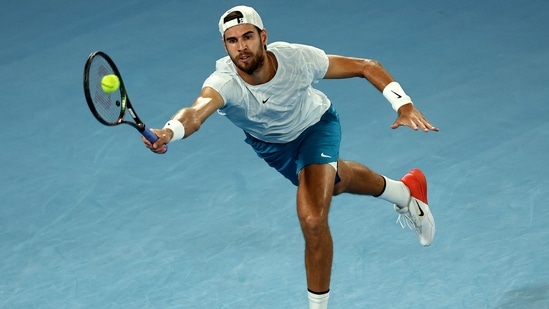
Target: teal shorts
(318,144)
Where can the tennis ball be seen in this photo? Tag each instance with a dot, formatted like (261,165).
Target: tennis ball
(110,83)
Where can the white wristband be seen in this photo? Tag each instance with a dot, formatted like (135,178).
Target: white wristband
(394,93)
(177,128)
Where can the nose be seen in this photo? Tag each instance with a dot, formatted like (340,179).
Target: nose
(242,45)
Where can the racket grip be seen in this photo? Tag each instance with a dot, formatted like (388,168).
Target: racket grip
(150,136)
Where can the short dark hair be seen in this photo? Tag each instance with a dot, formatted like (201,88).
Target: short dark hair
(234,15)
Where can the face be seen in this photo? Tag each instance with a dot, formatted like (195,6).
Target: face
(245,46)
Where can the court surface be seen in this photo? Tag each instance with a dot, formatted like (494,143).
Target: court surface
(89,218)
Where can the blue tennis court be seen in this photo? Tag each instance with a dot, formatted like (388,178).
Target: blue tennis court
(89,218)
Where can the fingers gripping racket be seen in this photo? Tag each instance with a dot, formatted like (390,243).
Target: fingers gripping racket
(110,107)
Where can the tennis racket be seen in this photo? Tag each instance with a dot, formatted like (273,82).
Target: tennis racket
(110,108)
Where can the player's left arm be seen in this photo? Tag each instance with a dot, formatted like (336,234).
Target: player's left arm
(381,79)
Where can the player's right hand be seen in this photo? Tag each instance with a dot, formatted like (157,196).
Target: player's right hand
(164,137)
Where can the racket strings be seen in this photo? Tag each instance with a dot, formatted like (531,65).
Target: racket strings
(107,105)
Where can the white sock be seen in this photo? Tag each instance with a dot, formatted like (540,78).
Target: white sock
(318,301)
(395,192)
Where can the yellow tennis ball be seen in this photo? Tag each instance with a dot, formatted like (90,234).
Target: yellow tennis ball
(110,83)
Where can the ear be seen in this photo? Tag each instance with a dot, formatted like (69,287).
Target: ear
(264,37)
(224,45)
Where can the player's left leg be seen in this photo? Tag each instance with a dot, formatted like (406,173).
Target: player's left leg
(357,178)
(409,195)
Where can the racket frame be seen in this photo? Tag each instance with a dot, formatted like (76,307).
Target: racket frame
(125,103)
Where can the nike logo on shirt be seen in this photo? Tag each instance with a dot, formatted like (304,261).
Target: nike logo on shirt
(265,101)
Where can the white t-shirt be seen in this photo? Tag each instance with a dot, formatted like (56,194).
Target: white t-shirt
(281,109)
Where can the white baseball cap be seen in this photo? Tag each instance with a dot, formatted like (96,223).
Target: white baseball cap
(249,16)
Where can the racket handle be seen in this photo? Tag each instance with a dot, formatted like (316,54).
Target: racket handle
(150,136)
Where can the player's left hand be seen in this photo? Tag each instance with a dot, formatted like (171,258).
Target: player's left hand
(411,117)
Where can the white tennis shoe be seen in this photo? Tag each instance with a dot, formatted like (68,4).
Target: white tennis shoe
(417,214)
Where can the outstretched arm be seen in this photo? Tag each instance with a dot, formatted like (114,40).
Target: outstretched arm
(373,71)
(187,120)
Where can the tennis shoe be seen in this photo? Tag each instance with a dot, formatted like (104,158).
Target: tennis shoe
(417,215)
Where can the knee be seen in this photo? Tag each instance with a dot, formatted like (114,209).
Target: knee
(313,224)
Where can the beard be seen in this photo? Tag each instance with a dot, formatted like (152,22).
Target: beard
(252,66)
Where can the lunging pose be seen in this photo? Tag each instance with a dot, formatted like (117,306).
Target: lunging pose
(266,90)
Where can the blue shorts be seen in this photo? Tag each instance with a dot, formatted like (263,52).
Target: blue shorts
(318,144)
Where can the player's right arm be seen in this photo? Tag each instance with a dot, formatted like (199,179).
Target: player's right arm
(191,118)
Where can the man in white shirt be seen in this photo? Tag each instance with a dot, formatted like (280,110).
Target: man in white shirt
(266,90)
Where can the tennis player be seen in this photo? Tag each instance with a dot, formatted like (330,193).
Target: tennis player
(266,90)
